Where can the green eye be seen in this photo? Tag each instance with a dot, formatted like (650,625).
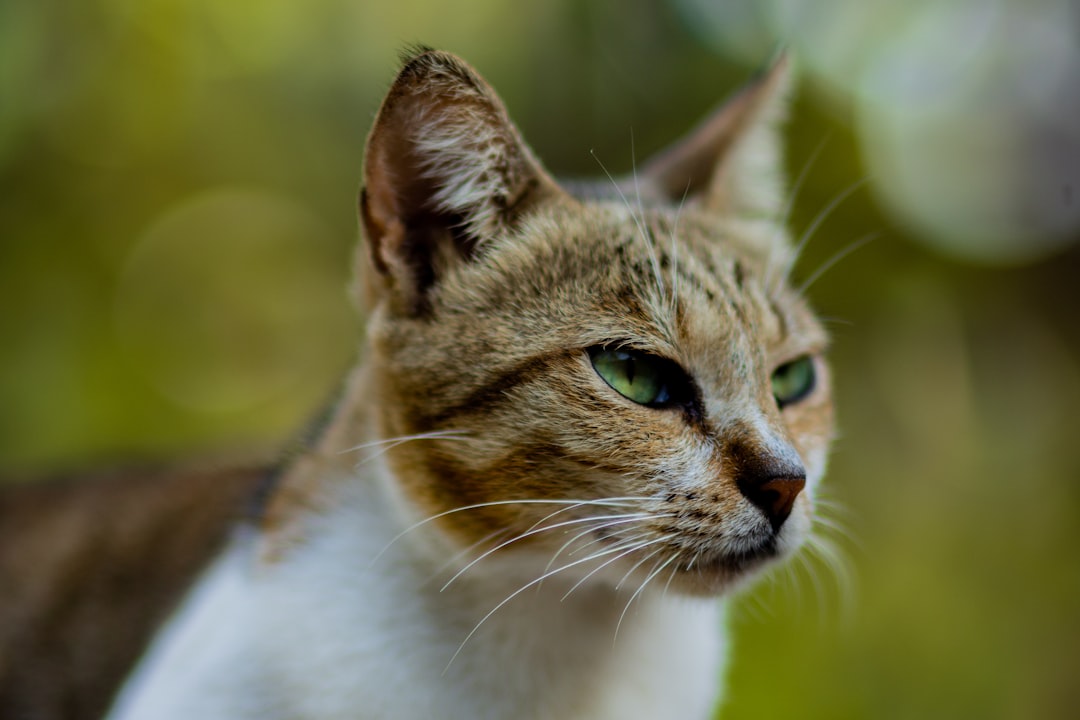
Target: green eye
(793,381)
(645,379)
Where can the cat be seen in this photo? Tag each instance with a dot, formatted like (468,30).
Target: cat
(584,412)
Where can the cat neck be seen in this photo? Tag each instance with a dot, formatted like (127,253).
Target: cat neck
(340,557)
(488,644)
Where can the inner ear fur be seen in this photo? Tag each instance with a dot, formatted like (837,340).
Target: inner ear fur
(732,162)
(445,172)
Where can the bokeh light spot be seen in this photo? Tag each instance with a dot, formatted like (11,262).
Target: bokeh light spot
(225,301)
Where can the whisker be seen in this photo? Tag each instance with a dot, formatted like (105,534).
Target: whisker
(434,434)
(516,538)
(635,566)
(782,581)
(819,553)
(796,186)
(789,205)
(830,554)
(824,215)
(622,520)
(517,592)
(626,501)
(833,525)
(674,572)
(833,557)
(389,444)
(828,265)
(820,597)
(648,579)
(633,174)
(641,214)
(645,236)
(833,320)
(560,511)
(633,517)
(638,545)
(826,500)
(753,606)
(675,254)
(586,531)
(697,554)
(465,552)
(658,516)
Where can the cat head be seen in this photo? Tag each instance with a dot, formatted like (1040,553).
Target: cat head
(614,372)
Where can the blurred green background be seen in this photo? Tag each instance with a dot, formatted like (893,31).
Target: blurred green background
(177,221)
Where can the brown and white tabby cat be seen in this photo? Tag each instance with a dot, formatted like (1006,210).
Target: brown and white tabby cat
(584,412)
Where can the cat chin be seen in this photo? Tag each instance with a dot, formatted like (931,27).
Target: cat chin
(723,574)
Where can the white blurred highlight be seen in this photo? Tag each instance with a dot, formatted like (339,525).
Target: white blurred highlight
(968,112)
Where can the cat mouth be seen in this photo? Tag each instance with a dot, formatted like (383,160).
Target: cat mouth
(711,559)
(711,572)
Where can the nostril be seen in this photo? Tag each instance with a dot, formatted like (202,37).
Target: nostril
(775,497)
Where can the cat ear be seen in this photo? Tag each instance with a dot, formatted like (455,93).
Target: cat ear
(445,172)
(732,162)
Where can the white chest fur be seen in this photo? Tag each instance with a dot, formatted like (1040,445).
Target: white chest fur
(328,634)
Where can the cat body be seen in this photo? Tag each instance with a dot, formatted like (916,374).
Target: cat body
(243,647)
(582,415)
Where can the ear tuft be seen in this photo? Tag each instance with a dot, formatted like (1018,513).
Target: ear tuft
(467,146)
(413,51)
(445,172)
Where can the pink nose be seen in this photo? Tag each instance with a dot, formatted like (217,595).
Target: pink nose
(774,496)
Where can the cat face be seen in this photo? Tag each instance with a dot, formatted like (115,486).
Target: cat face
(618,381)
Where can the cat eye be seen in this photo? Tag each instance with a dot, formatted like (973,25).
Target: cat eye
(646,379)
(793,381)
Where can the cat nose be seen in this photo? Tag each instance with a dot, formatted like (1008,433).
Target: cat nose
(774,495)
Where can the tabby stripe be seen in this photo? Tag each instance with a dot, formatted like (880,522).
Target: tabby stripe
(781,318)
(705,283)
(734,301)
(494,391)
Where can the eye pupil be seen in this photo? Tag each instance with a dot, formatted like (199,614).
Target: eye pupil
(630,369)
(645,379)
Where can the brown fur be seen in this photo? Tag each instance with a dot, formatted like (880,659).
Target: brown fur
(489,281)
(549,428)
(88,569)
